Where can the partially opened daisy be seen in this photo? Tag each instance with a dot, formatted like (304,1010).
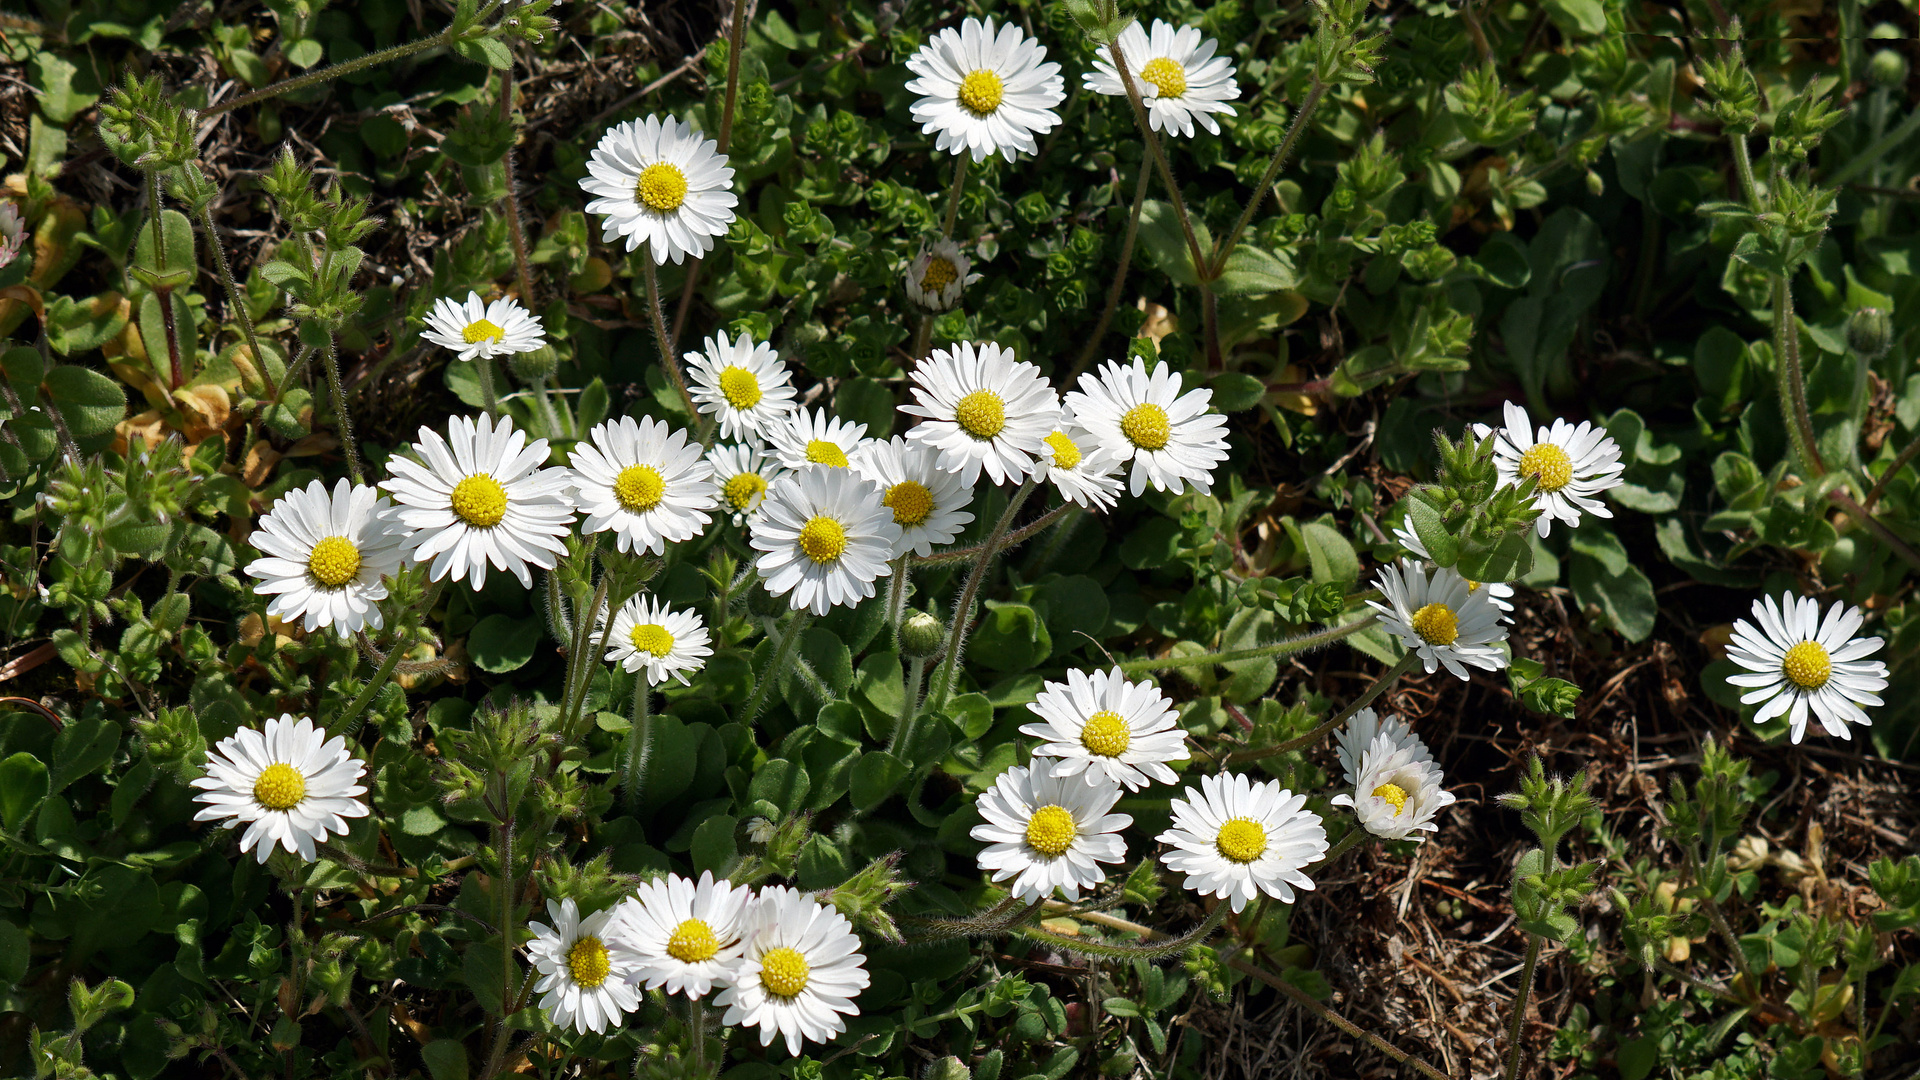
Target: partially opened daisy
(1500,592)
(1049,832)
(1572,464)
(936,279)
(983,410)
(661,184)
(1102,727)
(480,495)
(478,331)
(685,934)
(1440,619)
(742,384)
(1796,662)
(1352,740)
(743,474)
(326,556)
(13,233)
(810,437)
(799,972)
(1397,789)
(1081,469)
(644,481)
(824,537)
(1235,839)
(928,503)
(1170,437)
(985,91)
(289,785)
(587,970)
(1176,73)
(649,636)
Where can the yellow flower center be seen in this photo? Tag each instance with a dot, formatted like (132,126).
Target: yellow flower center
(639,488)
(480,501)
(939,274)
(783,972)
(1549,463)
(1145,426)
(1066,454)
(743,489)
(587,962)
(1436,624)
(981,92)
(334,561)
(1106,734)
(1394,794)
(822,452)
(662,187)
(739,387)
(1472,585)
(1807,665)
(911,502)
(1241,840)
(280,787)
(981,414)
(651,638)
(693,942)
(1050,831)
(1166,75)
(482,330)
(823,539)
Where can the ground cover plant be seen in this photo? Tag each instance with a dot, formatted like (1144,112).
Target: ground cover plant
(962,541)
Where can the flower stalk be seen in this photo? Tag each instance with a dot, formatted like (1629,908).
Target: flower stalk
(963,611)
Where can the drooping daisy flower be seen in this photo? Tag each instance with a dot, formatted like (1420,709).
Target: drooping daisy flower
(686,934)
(741,383)
(1101,726)
(1796,661)
(1573,465)
(290,785)
(1048,832)
(660,184)
(477,331)
(1500,592)
(742,474)
(1234,839)
(13,233)
(810,437)
(985,91)
(1170,437)
(800,970)
(983,410)
(1352,740)
(480,496)
(1084,471)
(1397,790)
(644,481)
(936,279)
(325,556)
(928,503)
(825,537)
(586,968)
(649,636)
(1440,618)
(1177,75)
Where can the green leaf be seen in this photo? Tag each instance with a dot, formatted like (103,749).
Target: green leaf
(1582,17)
(15,953)
(875,778)
(1509,560)
(1330,553)
(1443,546)
(1503,261)
(446,1059)
(593,406)
(53,83)
(866,401)
(1236,391)
(92,403)
(1250,270)
(501,643)
(303,54)
(1153,543)
(23,783)
(782,783)
(80,326)
(1011,637)
(488,51)
(972,714)
(1603,575)
(23,368)
(82,748)
(1164,244)
(1072,606)
(714,847)
(178,267)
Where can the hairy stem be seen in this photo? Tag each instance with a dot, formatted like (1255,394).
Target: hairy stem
(1119,276)
(1294,130)
(903,727)
(782,657)
(347,718)
(639,739)
(234,303)
(963,611)
(1017,536)
(668,362)
(1290,646)
(1720,924)
(1900,462)
(1520,1005)
(1793,385)
(1159,950)
(953,195)
(330,360)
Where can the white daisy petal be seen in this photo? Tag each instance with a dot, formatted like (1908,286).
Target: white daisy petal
(1047,832)
(928,503)
(984,92)
(742,384)
(1440,619)
(1571,465)
(649,636)
(290,786)
(658,182)
(1143,417)
(799,970)
(479,331)
(825,536)
(686,934)
(1177,74)
(1500,592)
(983,411)
(1101,727)
(587,967)
(1796,662)
(327,556)
(645,482)
(1234,839)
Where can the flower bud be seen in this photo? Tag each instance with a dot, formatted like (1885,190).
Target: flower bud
(1870,333)
(921,635)
(534,367)
(1887,68)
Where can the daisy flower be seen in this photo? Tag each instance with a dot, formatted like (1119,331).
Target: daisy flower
(649,636)
(1572,465)
(290,785)
(985,91)
(1048,832)
(587,970)
(1178,77)
(743,474)
(686,935)
(800,969)
(1102,727)
(1500,592)
(806,437)
(741,383)
(480,496)
(324,556)
(480,331)
(1352,740)
(1796,661)
(825,536)
(1084,471)
(982,411)
(936,278)
(660,184)
(1170,437)
(1234,839)
(1397,789)
(928,504)
(644,481)
(1440,618)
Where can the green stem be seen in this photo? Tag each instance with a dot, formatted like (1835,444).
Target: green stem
(446,37)
(1119,275)
(1200,265)
(639,739)
(736,35)
(548,417)
(668,362)
(953,194)
(897,584)
(1294,130)
(1793,386)
(1405,664)
(963,611)
(1865,159)
(1020,535)
(1743,169)
(697,1009)
(1900,461)
(1720,924)
(903,727)
(1347,843)
(1520,1005)
(234,303)
(345,720)
(1156,951)
(922,338)
(330,360)
(997,919)
(581,658)
(783,655)
(1300,644)
(489,398)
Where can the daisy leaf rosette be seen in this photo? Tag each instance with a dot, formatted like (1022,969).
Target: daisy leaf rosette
(476,330)
(1235,839)
(1440,619)
(799,972)
(1178,76)
(1045,833)
(1102,727)
(1797,663)
(325,557)
(686,935)
(586,968)
(1170,437)
(741,383)
(928,503)
(1397,789)
(289,785)
(660,183)
(824,537)
(644,481)
(985,90)
(981,411)
(1571,465)
(649,636)
(806,437)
